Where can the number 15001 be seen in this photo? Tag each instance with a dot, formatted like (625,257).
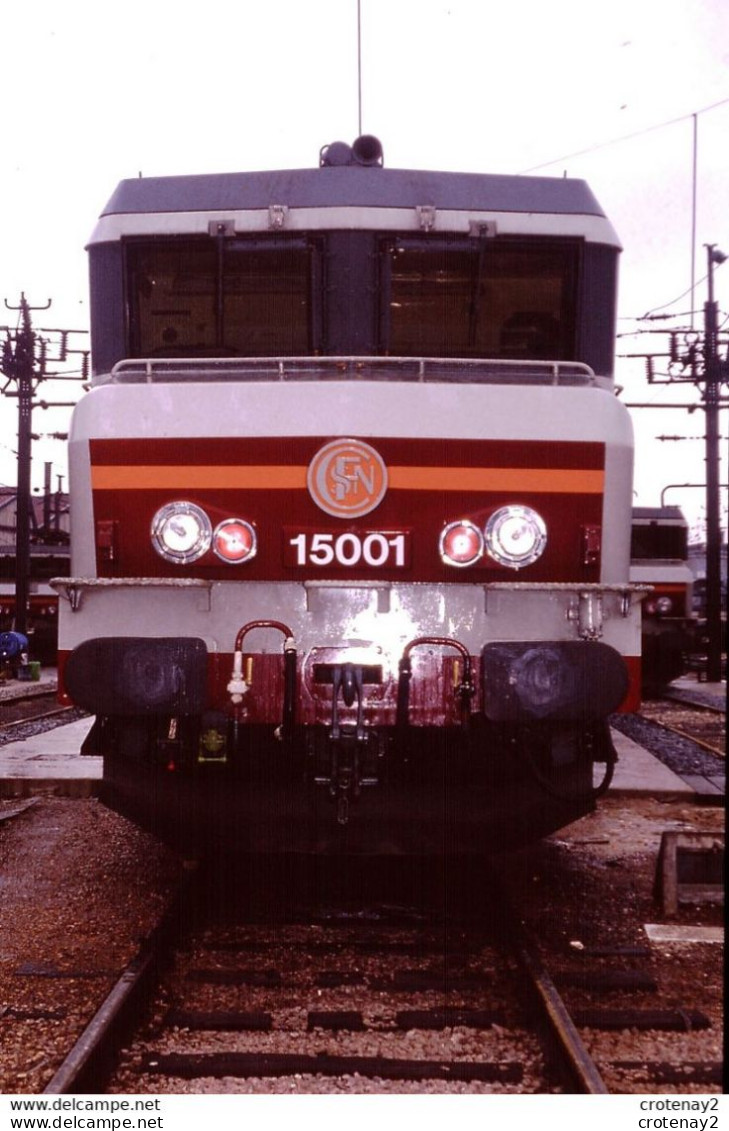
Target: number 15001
(375,549)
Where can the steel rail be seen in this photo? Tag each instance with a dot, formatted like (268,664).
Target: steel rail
(691,738)
(692,704)
(36,718)
(576,1060)
(88,1063)
(9,814)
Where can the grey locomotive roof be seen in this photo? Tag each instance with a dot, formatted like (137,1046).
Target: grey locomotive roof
(353,186)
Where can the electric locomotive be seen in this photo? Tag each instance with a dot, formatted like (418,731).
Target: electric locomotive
(659,558)
(46,562)
(350,513)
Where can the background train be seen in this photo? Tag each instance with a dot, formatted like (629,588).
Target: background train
(659,558)
(351,508)
(46,563)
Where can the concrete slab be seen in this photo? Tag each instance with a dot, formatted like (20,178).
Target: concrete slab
(640,772)
(20,689)
(669,933)
(50,763)
(705,786)
(691,690)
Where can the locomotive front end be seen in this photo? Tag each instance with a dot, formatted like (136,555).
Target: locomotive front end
(351,512)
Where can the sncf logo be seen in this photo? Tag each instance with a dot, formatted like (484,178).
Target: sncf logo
(347,478)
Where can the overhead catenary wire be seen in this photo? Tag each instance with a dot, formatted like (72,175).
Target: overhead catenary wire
(689,290)
(656,317)
(693,116)
(625,137)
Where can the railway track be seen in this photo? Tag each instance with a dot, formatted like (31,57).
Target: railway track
(369,999)
(382,995)
(700,722)
(703,723)
(33,702)
(690,740)
(29,709)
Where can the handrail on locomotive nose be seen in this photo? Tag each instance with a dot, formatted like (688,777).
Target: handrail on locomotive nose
(238,685)
(464,691)
(278,625)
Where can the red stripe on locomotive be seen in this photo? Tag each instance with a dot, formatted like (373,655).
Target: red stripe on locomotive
(563,482)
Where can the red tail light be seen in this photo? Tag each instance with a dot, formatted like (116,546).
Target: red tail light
(234,541)
(461,543)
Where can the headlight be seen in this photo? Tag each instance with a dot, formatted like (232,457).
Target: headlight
(461,543)
(181,532)
(235,541)
(515,536)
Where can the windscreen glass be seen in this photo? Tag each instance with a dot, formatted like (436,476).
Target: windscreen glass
(658,541)
(487,299)
(220,298)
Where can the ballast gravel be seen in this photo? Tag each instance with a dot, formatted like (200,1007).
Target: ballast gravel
(80,887)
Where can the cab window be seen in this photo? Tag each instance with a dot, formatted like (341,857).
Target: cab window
(220,298)
(484,299)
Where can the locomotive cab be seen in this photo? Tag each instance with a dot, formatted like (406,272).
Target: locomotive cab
(659,559)
(351,508)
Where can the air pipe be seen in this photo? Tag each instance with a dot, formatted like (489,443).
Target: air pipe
(465,689)
(238,686)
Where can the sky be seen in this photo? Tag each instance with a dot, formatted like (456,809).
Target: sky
(632,96)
